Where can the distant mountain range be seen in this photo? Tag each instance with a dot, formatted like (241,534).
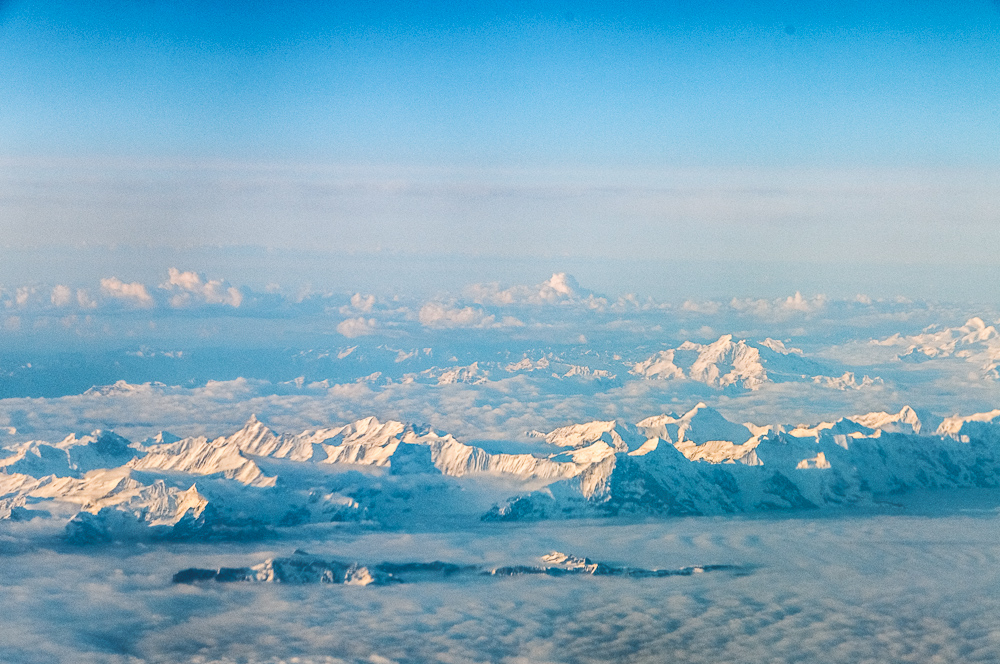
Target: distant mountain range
(392,474)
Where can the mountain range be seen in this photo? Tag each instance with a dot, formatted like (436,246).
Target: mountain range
(392,474)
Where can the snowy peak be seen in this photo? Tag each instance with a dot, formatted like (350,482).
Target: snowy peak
(157,503)
(200,457)
(964,427)
(699,425)
(975,342)
(723,363)
(703,434)
(739,364)
(71,457)
(719,364)
(907,420)
(254,438)
(134,511)
(38,460)
(616,435)
(160,438)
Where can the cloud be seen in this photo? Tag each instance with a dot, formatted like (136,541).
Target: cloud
(357,327)
(134,292)
(559,288)
(435,314)
(363,303)
(22,295)
(84,300)
(61,296)
(708,307)
(783,308)
(439,315)
(809,597)
(191,286)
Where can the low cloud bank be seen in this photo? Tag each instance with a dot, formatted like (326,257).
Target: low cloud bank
(936,598)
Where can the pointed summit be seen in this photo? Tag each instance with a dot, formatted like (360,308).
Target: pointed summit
(254,438)
(699,425)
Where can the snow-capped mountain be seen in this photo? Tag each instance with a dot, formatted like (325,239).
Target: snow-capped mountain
(974,342)
(480,372)
(71,457)
(740,364)
(390,472)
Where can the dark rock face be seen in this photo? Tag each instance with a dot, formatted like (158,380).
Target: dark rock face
(783,494)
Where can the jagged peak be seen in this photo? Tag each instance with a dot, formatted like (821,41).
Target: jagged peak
(253,422)
(616,433)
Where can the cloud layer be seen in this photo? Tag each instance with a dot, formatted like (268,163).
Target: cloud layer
(922,589)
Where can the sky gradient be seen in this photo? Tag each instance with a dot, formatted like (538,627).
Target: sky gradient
(648,84)
(530,129)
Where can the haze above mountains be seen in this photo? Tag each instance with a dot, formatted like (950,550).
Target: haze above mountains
(539,356)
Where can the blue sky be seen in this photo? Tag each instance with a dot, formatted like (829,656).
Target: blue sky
(650,84)
(532,129)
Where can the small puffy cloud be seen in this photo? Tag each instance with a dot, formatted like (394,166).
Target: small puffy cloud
(560,287)
(357,327)
(798,303)
(84,300)
(708,307)
(22,295)
(363,302)
(436,314)
(133,292)
(61,295)
(191,285)
(359,304)
(781,307)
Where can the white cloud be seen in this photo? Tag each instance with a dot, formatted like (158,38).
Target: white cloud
(798,303)
(708,307)
(439,315)
(934,600)
(359,304)
(435,314)
(134,292)
(22,295)
(84,300)
(363,303)
(357,327)
(61,295)
(780,308)
(191,285)
(560,287)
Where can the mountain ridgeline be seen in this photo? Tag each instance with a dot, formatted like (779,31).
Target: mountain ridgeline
(255,482)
